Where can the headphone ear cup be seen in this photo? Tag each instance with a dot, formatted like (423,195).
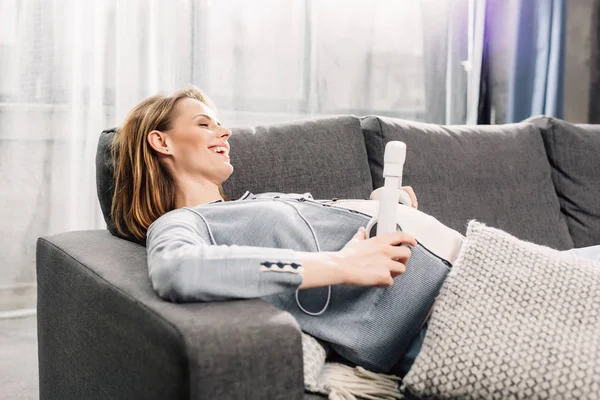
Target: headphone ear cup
(372,228)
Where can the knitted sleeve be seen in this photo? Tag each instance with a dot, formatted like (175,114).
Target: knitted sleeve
(185,267)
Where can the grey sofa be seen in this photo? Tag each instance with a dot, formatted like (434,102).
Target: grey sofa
(104,334)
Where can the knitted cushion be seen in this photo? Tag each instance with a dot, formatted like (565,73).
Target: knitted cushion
(513,320)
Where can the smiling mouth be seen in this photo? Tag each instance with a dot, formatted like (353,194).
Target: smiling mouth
(225,156)
(221,150)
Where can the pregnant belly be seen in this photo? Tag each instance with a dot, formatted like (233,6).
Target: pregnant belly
(443,241)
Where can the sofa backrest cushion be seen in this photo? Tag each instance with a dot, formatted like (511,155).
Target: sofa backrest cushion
(574,154)
(323,156)
(498,175)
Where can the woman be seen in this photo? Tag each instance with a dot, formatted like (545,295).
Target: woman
(172,157)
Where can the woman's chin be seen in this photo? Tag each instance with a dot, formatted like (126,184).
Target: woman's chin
(228,170)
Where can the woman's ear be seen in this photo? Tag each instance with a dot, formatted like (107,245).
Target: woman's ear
(158,141)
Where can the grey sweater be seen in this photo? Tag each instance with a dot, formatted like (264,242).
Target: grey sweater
(246,248)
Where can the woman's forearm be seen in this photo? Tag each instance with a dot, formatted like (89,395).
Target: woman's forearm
(320,269)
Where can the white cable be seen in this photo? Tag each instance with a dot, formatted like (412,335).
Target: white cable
(318,249)
(210,234)
(316,243)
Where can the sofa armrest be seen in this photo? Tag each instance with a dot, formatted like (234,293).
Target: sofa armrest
(104,333)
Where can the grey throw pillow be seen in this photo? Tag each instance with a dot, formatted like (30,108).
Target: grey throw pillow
(499,175)
(574,154)
(513,320)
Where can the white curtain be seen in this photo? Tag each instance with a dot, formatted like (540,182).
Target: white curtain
(70,68)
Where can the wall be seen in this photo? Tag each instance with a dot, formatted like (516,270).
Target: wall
(581,24)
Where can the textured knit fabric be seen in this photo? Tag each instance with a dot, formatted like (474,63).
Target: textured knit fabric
(574,153)
(590,252)
(499,175)
(340,381)
(247,248)
(314,355)
(513,320)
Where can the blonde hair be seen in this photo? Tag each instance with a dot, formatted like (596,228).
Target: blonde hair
(143,189)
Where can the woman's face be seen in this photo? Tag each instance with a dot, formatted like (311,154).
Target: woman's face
(193,141)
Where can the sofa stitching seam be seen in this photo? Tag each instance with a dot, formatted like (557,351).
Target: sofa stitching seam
(559,180)
(364,146)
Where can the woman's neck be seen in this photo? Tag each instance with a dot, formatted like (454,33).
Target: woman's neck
(190,193)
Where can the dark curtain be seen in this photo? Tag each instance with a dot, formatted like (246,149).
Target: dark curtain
(484,109)
(537,73)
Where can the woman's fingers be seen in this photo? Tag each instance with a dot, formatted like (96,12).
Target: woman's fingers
(361,234)
(400,253)
(378,260)
(387,282)
(412,195)
(397,268)
(396,238)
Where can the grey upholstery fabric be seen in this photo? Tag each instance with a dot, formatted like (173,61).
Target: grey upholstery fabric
(496,174)
(103,332)
(313,396)
(574,153)
(105,182)
(325,157)
(297,157)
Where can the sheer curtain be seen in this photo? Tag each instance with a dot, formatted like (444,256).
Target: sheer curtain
(70,68)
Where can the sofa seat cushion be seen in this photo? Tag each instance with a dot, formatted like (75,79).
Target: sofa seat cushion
(574,154)
(499,175)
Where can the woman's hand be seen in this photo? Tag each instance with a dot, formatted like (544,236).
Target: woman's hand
(375,261)
(376,195)
(412,195)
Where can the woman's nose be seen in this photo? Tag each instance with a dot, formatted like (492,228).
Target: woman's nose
(224,132)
